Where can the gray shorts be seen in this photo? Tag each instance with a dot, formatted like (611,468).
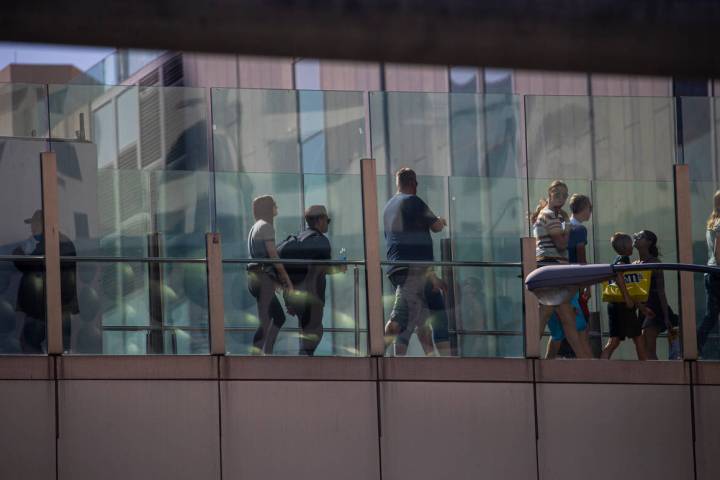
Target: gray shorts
(410,309)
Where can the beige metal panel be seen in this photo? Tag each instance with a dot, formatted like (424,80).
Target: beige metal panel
(52,252)
(216,306)
(26,368)
(27,434)
(265,72)
(623,432)
(630,85)
(142,367)
(532,307)
(456,369)
(684,228)
(297,368)
(533,82)
(706,373)
(457,431)
(613,371)
(210,70)
(338,75)
(415,78)
(300,430)
(138,429)
(371,229)
(707,426)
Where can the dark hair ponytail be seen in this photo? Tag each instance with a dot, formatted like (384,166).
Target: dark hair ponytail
(653,249)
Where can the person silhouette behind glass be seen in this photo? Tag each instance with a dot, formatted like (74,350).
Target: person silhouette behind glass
(31,291)
(408,222)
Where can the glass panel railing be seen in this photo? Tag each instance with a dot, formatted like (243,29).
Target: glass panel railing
(134,181)
(619,152)
(700,119)
(134,127)
(466,154)
(288,131)
(323,316)
(605,138)
(23,319)
(23,324)
(135,308)
(297,149)
(453,310)
(23,110)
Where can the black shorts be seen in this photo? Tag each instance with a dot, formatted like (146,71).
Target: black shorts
(624,321)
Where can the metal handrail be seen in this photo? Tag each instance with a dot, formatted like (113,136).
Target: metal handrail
(446,263)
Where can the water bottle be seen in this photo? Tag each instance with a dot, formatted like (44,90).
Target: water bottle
(343,255)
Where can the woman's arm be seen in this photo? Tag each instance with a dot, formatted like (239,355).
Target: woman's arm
(716,248)
(560,237)
(272,253)
(660,279)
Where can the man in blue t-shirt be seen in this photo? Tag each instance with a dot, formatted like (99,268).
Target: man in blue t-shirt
(408,222)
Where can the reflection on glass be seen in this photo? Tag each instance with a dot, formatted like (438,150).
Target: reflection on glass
(130,212)
(19,167)
(172,124)
(288,131)
(340,194)
(490,231)
(344,317)
(609,138)
(138,308)
(702,203)
(104,135)
(23,324)
(480,314)
(23,110)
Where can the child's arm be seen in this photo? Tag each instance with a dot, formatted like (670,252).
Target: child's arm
(581,253)
(623,288)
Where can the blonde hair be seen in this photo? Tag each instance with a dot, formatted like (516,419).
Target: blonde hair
(715,214)
(544,202)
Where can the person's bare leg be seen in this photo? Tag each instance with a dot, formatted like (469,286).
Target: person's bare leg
(553,347)
(424,333)
(400,349)
(443,348)
(546,312)
(640,348)
(650,334)
(611,346)
(392,329)
(566,313)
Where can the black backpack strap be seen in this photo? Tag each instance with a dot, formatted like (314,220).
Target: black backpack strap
(309,233)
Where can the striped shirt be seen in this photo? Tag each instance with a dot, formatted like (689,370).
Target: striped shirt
(548,222)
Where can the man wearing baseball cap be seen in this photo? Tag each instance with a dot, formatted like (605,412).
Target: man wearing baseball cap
(31,292)
(307,301)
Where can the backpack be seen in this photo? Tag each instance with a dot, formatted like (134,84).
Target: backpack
(292,249)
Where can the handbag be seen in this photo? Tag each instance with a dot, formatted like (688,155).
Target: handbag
(637,283)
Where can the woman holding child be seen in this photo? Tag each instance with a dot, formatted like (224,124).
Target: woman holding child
(551,228)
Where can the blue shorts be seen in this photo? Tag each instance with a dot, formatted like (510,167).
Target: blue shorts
(556,330)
